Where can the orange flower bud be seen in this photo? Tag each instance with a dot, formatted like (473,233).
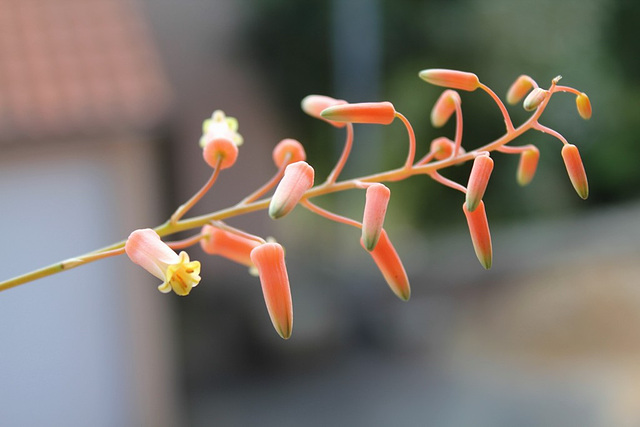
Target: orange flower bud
(527,166)
(220,148)
(478,180)
(381,113)
(444,107)
(534,99)
(443,148)
(291,148)
(269,259)
(230,245)
(575,169)
(480,235)
(519,89)
(390,265)
(375,209)
(314,104)
(298,178)
(450,78)
(584,106)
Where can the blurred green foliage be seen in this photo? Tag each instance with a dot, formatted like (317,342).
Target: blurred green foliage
(592,43)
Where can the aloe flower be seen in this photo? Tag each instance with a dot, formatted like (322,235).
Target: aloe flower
(229,245)
(178,273)
(444,107)
(382,113)
(519,89)
(269,259)
(480,235)
(288,150)
(575,169)
(478,180)
(527,165)
(583,105)
(534,99)
(314,104)
(298,178)
(450,78)
(390,265)
(375,209)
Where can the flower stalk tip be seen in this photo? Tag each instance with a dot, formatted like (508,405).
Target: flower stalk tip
(269,260)
(382,113)
(453,79)
(575,169)
(478,180)
(480,235)
(390,265)
(375,209)
(298,178)
(178,273)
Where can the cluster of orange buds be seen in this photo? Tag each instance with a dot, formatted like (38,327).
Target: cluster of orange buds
(294,184)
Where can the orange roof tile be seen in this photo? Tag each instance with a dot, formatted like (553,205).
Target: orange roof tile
(77,67)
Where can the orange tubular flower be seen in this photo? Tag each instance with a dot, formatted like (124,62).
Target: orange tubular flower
(443,148)
(269,259)
(480,235)
(229,245)
(575,169)
(375,209)
(289,150)
(534,99)
(450,78)
(390,265)
(527,166)
(314,104)
(444,107)
(478,180)
(584,106)
(298,178)
(382,113)
(519,89)
(178,273)
(220,148)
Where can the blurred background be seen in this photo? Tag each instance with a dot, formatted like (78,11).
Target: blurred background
(101,105)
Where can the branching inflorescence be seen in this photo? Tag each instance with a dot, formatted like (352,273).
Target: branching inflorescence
(294,185)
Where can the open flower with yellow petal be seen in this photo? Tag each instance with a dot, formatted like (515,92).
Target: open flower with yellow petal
(178,273)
